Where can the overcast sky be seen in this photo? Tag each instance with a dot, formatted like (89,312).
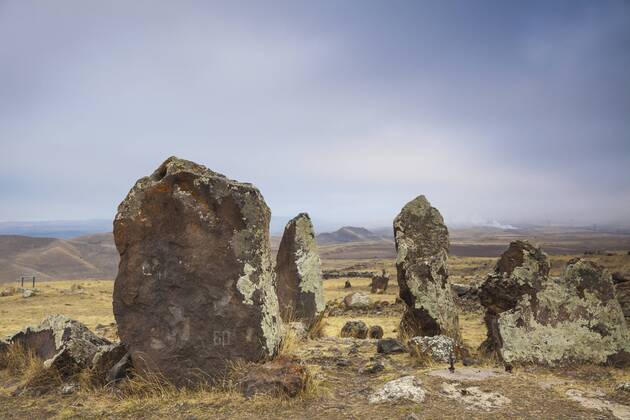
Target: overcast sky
(496,111)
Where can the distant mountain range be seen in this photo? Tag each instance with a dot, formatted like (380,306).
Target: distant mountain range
(95,257)
(62,229)
(349,234)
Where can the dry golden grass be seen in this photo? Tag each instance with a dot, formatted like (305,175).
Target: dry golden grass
(92,306)
(25,365)
(327,387)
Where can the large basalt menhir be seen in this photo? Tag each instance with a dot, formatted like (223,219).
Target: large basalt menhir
(535,319)
(298,273)
(422,247)
(195,285)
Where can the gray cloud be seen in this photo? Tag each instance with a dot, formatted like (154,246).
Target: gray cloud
(494,110)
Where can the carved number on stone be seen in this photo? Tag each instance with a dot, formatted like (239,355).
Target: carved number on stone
(222,338)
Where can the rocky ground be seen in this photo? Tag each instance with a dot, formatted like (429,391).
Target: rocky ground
(349,378)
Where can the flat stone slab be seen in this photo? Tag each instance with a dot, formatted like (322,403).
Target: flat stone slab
(466,374)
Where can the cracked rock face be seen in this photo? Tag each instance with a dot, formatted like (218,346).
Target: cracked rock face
(62,343)
(535,319)
(422,248)
(195,285)
(298,273)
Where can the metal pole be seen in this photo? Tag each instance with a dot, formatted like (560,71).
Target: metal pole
(22,281)
(33,282)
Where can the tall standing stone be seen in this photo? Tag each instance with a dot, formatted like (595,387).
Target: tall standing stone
(195,285)
(298,272)
(422,247)
(533,318)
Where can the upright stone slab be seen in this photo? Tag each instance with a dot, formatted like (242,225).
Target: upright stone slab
(422,247)
(298,273)
(535,319)
(195,285)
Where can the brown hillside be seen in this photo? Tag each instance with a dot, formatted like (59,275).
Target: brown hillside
(92,256)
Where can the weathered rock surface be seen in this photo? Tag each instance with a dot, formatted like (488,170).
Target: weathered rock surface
(105,358)
(618,277)
(379,283)
(463,290)
(27,293)
(389,346)
(357,300)
(195,284)
(439,347)
(355,329)
(62,343)
(623,296)
(422,248)
(375,331)
(474,398)
(120,370)
(405,388)
(623,387)
(282,376)
(298,273)
(532,318)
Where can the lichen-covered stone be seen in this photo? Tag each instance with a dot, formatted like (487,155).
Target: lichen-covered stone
(405,388)
(532,318)
(623,296)
(357,300)
(354,329)
(195,284)
(379,283)
(439,348)
(64,344)
(422,248)
(375,331)
(298,273)
(390,346)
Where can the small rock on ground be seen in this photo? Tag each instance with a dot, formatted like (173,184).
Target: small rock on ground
(407,388)
(389,346)
(356,329)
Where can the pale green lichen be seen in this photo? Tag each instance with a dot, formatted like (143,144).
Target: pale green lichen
(272,327)
(245,285)
(573,332)
(422,243)
(308,263)
(436,300)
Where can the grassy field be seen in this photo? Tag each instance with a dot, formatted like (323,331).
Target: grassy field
(337,390)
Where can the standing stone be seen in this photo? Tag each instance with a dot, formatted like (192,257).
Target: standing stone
(422,247)
(379,282)
(195,284)
(535,319)
(623,296)
(298,273)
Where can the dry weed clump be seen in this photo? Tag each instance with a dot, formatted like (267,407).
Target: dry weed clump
(317,328)
(28,367)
